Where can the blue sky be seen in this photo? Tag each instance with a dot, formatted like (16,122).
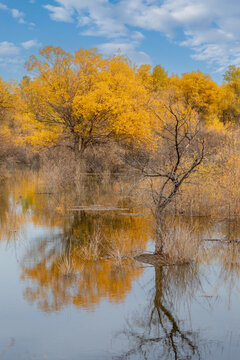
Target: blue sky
(180,35)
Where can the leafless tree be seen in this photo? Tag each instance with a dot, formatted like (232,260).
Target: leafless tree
(177,152)
(156,332)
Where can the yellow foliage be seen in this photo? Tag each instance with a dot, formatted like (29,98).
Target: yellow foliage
(6,98)
(10,107)
(85,98)
(201,93)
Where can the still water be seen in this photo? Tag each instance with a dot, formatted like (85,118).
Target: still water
(70,289)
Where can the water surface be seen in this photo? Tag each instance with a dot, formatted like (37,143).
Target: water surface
(60,301)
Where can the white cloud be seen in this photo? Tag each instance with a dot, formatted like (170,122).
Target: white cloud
(127,49)
(59,13)
(137,35)
(8,48)
(30,44)
(3,6)
(211,28)
(19,15)
(13,56)
(16,14)
(99,16)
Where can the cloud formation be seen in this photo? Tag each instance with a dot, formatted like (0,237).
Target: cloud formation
(13,56)
(8,49)
(16,14)
(19,15)
(9,55)
(131,49)
(59,13)
(30,44)
(211,28)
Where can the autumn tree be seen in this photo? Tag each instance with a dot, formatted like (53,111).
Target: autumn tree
(83,99)
(159,77)
(231,86)
(232,75)
(153,79)
(6,102)
(9,108)
(202,94)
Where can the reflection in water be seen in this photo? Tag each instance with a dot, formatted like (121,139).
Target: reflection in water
(85,257)
(157,333)
(6,348)
(80,260)
(75,267)
(226,258)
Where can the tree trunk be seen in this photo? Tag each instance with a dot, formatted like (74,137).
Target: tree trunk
(158,285)
(79,165)
(159,235)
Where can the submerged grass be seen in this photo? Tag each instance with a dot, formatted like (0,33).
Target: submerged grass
(98,246)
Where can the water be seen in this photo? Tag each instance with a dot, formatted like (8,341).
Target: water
(59,300)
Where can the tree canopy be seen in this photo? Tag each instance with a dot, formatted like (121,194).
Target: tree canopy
(85,98)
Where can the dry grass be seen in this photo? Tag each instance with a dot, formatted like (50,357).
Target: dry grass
(180,243)
(57,171)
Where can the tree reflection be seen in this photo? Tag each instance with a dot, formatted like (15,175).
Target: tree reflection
(79,262)
(157,333)
(59,273)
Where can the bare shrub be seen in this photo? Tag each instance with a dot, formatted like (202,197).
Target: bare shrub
(214,190)
(104,158)
(12,153)
(58,169)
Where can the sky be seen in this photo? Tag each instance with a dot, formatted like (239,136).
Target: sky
(180,35)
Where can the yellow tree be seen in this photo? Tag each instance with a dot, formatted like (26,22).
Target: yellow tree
(232,76)
(153,79)
(231,86)
(83,99)
(202,94)
(6,102)
(9,108)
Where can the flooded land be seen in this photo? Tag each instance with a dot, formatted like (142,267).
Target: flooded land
(72,289)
